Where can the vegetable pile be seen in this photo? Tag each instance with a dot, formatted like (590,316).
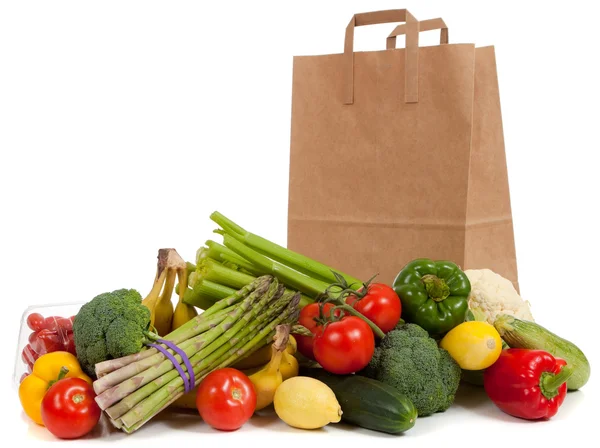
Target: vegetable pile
(258,328)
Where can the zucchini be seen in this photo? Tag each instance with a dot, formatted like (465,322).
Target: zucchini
(525,334)
(369,403)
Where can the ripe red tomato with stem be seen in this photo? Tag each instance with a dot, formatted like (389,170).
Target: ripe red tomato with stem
(344,346)
(69,410)
(226,399)
(380,304)
(308,319)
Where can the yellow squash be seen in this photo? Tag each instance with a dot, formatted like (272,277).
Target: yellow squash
(474,345)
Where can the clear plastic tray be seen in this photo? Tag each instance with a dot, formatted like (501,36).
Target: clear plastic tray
(53,336)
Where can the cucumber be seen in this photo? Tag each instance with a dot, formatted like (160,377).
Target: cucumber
(369,403)
(525,334)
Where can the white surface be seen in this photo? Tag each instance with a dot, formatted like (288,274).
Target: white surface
(103,104)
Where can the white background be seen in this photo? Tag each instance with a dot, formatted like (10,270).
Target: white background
(124,124)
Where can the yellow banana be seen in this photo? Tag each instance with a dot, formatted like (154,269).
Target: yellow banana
(266,381)
(269,378)
(263,355)
(183,313)
(186,401)
(170,267)
(289,366)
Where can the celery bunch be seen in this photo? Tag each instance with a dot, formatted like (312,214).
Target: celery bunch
(221,269)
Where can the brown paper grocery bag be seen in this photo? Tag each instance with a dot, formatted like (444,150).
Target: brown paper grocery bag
(399,154)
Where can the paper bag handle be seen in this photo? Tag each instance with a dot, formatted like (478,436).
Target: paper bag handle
(425,25)
(411,75)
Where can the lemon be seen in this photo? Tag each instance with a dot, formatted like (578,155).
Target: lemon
(473,345)
(306,403)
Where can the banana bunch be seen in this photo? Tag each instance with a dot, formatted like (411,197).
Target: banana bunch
(162,317)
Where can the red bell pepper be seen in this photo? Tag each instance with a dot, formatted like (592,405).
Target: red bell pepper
(529,384)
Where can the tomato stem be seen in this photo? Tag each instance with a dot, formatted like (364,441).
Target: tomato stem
(347,308)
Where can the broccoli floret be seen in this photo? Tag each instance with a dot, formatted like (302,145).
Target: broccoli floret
(123,337)
(409,360)
(111,325)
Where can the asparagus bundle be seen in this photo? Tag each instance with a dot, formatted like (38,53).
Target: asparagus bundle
(243,256)
(133,389)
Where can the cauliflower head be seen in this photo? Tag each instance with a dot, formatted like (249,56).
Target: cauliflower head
(492,295)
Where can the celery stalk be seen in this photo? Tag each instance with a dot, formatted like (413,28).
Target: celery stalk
(209,269)
(287,275)
(278,253)
(214,281)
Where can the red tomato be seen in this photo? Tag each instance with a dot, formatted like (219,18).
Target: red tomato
(226,399)
(307,319)
(35,321)
(69,410)
(381,305)
(345,346)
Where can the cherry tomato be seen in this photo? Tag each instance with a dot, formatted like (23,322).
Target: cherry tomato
(29,356)
(51,323)
(35,321)
(47,341)
(345,346)
(70,345)
(226,399)
(307,319)
(65,324)
(32,337)
(381,305)
(69,410)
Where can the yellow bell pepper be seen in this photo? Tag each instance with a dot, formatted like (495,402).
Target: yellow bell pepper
(47,370)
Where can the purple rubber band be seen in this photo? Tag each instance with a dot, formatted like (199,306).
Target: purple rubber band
(186,361)
(171,358)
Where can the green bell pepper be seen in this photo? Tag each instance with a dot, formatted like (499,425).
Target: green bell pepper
(434,294)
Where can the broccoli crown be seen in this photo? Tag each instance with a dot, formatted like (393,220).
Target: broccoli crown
(409,360)
(111,325)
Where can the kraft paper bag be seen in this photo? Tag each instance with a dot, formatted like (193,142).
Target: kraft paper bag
(399,154)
